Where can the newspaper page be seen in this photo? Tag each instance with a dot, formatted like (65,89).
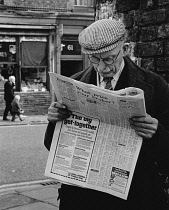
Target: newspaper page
(95,148)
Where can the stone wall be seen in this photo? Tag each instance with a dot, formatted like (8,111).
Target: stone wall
(37,3)
(148,25)
(33,103)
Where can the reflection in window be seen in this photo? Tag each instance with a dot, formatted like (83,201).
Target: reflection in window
(33,79)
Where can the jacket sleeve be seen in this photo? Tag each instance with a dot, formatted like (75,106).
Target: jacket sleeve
(49,134)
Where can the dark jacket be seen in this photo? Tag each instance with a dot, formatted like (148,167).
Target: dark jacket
(146,191)
(8,91)
(15,107)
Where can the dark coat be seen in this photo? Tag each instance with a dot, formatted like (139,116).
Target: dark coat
(15,107)
(8,91)
(146,191)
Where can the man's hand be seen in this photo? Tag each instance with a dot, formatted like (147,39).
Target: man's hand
(145,127)
(57,112)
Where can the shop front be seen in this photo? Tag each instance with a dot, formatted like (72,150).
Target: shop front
(26,56)
(33,48)
(31,53)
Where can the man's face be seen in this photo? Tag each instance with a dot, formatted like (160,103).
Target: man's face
(107,64)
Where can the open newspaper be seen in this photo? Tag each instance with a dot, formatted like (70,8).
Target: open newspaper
(95,148)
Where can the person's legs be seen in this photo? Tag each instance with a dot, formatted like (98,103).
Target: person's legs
(21,119)
(7,109)
(13,116)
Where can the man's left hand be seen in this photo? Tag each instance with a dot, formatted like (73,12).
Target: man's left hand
(145,127)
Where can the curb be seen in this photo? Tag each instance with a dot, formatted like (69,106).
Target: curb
(8,187)
(26,123)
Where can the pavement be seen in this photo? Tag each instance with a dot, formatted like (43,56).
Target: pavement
(27,120)
(34,195)
(40,195)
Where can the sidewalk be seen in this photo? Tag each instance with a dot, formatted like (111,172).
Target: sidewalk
(30,196)
(28,120)
(40,195)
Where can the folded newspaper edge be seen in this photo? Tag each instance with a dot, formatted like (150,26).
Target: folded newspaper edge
(82,151)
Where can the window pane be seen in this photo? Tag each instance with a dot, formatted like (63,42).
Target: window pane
(33,79)
(7,49)
(6,70)
(34,53)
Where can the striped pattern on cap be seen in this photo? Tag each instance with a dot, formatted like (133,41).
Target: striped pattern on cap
(101,36)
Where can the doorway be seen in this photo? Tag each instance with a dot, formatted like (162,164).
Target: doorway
(68,68)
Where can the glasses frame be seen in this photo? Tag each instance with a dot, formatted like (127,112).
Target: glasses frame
(103,59)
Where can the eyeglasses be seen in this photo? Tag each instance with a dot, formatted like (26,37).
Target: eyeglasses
(108,61)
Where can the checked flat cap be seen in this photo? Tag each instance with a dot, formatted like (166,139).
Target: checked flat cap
(101,36)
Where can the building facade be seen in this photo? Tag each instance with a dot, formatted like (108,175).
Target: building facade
(38,37)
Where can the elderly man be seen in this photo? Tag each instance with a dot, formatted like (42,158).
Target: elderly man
(103,42)
(8,95)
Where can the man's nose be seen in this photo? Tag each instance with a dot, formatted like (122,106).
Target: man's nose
(101,66)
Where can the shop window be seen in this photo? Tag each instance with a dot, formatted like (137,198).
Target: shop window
(7,49)
(34,63)
(33,79)
(6,70)
(34,53)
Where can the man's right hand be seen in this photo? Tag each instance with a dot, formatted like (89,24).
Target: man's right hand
(57,112)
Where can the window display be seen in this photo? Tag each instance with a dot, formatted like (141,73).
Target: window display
(33,79)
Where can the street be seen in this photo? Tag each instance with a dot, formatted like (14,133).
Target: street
(22,153)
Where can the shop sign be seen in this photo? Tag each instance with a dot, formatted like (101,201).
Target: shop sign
(70,46)
(7,51)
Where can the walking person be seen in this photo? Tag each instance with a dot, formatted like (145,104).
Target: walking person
(103,42)
(8,95)
(16,109)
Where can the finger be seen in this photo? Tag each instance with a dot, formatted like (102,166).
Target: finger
(143,130)
(51,109)
(59,114)
(144,126)
(148,119)
(64,111)
(52,119)
(144,135)
(57,117)
(57,105)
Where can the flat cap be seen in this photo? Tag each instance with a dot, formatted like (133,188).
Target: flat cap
(101,36)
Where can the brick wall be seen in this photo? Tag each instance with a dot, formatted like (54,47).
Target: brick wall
(148,25)
(37,3)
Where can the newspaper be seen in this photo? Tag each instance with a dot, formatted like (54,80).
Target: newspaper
(95,148)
